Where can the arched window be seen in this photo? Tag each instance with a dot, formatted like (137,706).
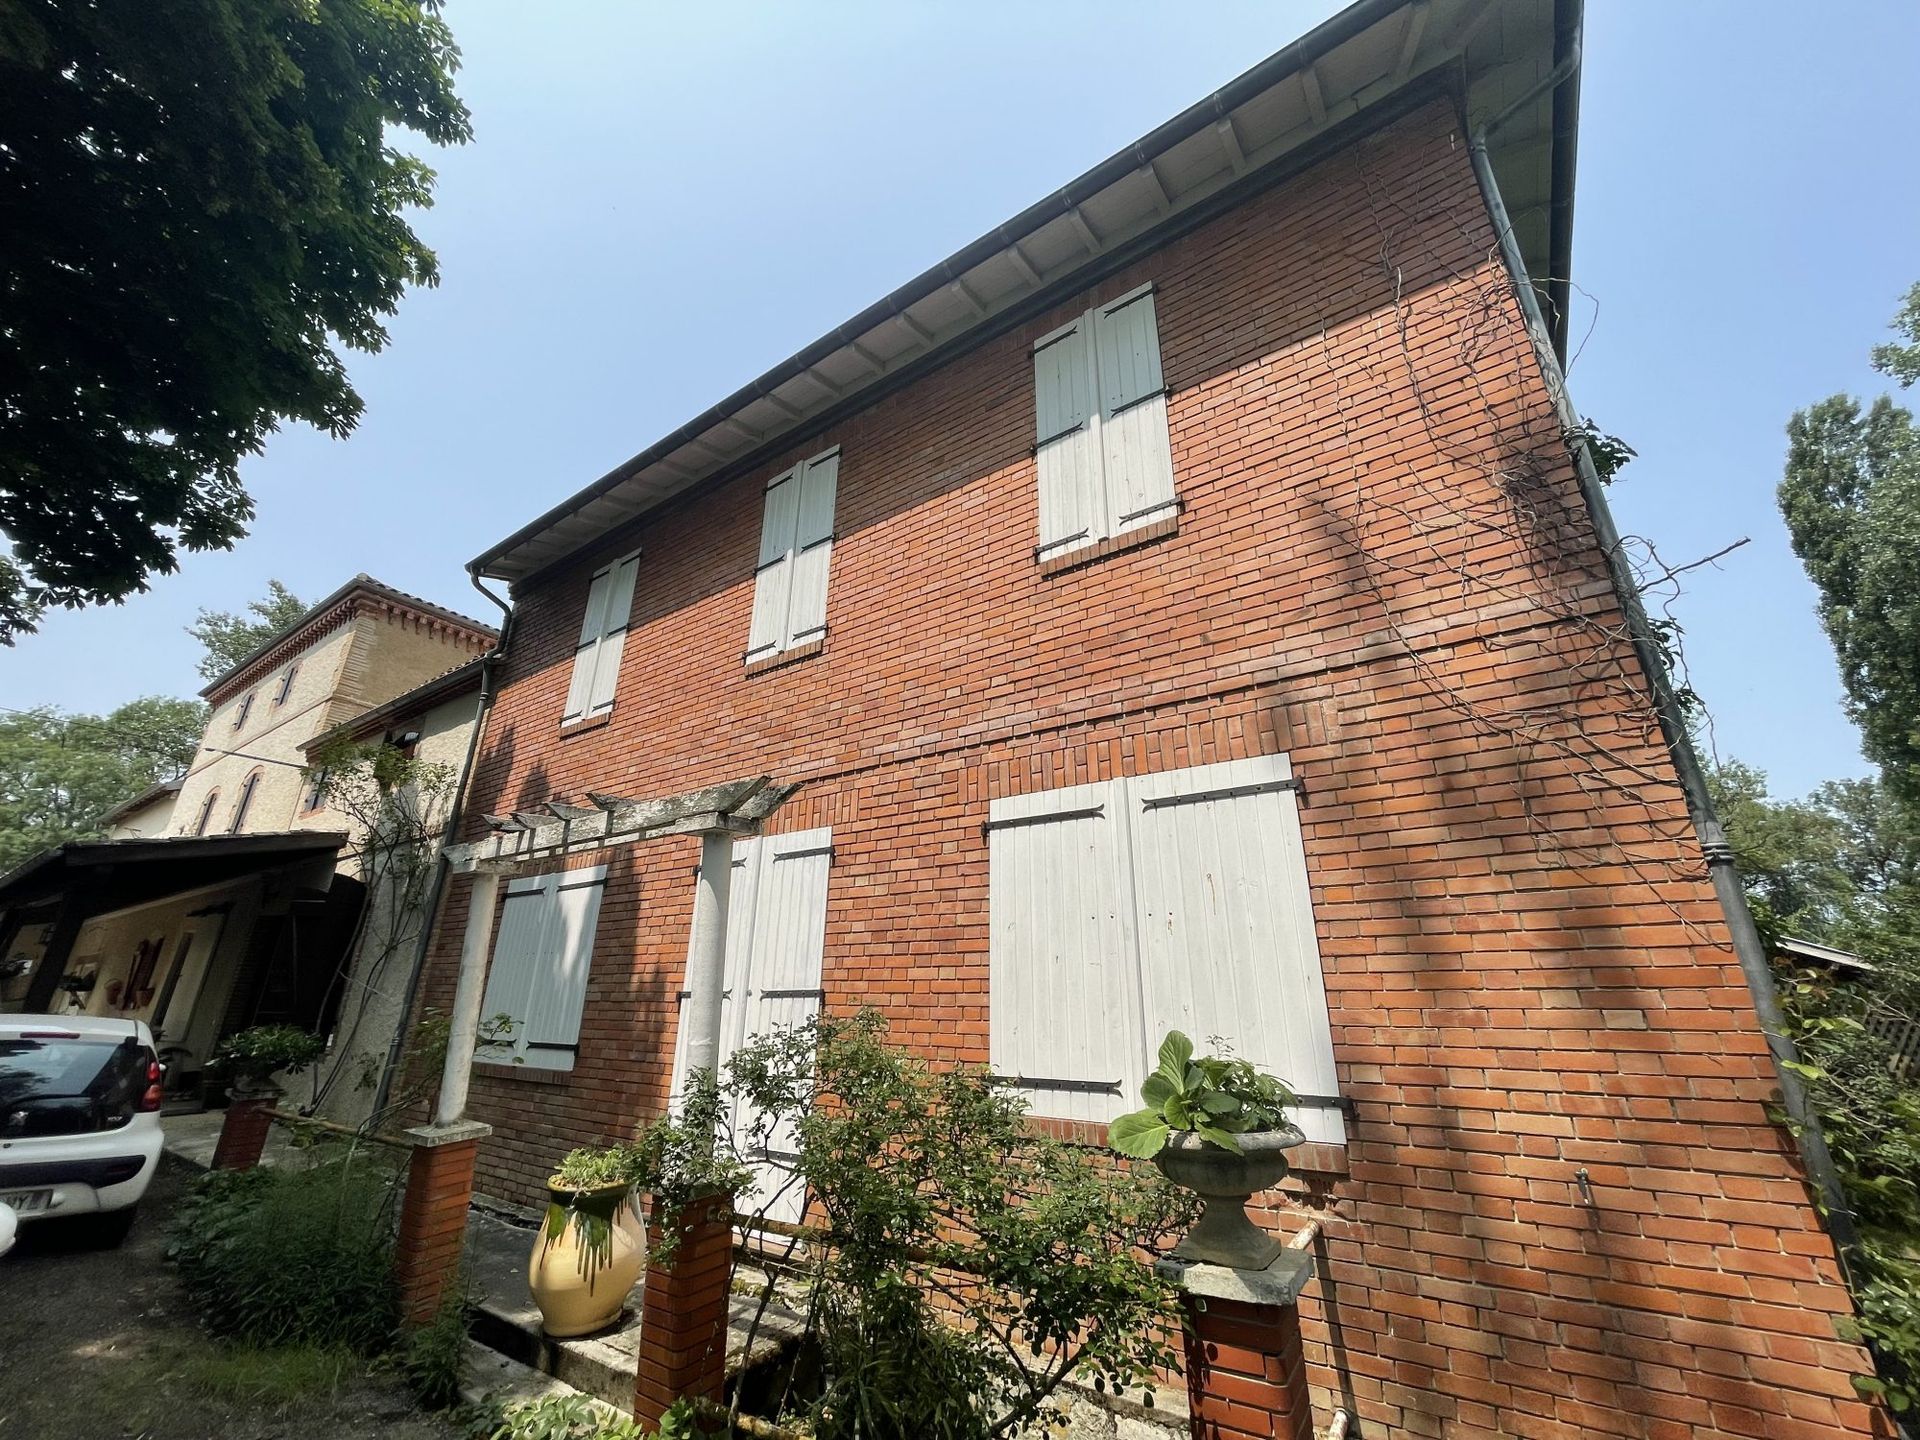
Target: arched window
(246,709)
(286,684)
(206,812)
(240,807)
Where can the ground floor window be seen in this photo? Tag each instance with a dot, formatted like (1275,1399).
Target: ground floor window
(1124,909)
(542,953)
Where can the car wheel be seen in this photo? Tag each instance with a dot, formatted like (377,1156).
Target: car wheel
(108,1231)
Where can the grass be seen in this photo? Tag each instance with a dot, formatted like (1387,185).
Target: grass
(273,1378)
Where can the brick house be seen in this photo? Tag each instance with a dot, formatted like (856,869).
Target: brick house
(1183,607)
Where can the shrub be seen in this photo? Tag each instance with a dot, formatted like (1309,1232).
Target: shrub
(265,1051)
(933,1190)
(555,1417)
(433,1358)
(278,1256)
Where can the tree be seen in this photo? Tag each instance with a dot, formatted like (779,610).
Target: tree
(1851,498)
(59,774)
(1902,360)
(230,636)
(199,201)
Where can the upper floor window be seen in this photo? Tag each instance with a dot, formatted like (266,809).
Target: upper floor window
(796,549)
(603,633)
(244,803)
(1100,424)
(316,790)
(286,684)
(246,709)
(206,812)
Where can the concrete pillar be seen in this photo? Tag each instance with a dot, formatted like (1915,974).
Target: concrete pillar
(243,1132)
(433,1216)
(1246,1373)
(707,956)
(683,1319)
(476,948)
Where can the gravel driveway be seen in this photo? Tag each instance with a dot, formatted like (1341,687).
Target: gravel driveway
(101,1345)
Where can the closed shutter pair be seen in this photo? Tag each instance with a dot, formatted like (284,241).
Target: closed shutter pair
(603,633)
(1124,909)
(796,552)
(1100,410)
(542,955)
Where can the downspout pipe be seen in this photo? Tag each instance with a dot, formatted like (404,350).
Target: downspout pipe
(1747,944)
(455,814)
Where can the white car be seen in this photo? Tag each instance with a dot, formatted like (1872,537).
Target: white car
(79,1119)
(9,1222)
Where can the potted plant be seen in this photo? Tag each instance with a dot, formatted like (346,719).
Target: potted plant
(249,1059)
(592,1245)
(1217,1126)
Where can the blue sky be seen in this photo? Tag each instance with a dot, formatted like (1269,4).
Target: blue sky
(663,200)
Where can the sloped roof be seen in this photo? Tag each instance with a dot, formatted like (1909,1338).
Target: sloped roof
(1491,53)
(461,679)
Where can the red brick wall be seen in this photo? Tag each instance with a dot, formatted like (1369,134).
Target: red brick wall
(1382,569)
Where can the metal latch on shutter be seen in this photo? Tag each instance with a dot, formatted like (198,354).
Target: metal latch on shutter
(1014,822)
(1139,399)
(726,994)
(1226,792)
(826,850)
(1177,505)
(1041,1082)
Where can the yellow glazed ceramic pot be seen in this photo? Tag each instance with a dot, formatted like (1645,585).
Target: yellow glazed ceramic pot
(586,1257)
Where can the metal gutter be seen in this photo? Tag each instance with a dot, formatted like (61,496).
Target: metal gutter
(1747,945)
(430,910)
(1321,40)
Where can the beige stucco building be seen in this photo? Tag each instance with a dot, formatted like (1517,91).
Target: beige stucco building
(233,896)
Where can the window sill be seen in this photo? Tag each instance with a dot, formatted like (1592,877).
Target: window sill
(581,727)
(530,1074)
(786,657)
(1113,545)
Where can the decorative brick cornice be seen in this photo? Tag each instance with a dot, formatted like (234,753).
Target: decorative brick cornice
(362,595)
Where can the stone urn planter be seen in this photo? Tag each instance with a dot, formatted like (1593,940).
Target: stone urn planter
(586,1257)
(1224,1235)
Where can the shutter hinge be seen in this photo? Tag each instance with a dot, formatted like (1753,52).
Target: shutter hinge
(1226,792)
(1092,812)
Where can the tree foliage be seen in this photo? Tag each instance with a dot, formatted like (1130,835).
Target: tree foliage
(59,774)
(1901,358)
(200,202)
(230,636)
(1843,867)
(1851,498)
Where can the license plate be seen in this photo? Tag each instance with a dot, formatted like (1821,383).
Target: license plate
(26,1201)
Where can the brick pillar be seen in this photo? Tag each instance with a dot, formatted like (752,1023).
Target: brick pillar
(243,1133)
(1246,1374)
(683,1319)
(433,1216)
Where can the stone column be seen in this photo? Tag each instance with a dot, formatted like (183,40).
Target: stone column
(433,1215)
(1246,1374)
(469,992)
(243,1132)
(707,955)
(683,1319)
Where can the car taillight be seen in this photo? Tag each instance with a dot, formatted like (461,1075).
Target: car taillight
(150,1098)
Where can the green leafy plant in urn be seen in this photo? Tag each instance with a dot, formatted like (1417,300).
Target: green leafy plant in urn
(1216,1126)
(592,1245)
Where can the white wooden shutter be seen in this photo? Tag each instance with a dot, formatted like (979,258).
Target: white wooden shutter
(516,951)
(782,989)
(812,549)
(586,650)
(773,579)
(1064,1015)
(1226,923)
(1072,503)
(739,941)
(1136,454)
(613,634)
(551,1036)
